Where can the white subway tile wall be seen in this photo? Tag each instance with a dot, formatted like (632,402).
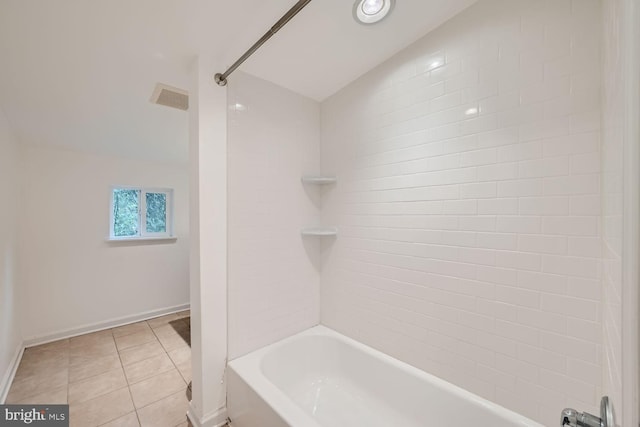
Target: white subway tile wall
(468,205)
(274,139)
(613,112)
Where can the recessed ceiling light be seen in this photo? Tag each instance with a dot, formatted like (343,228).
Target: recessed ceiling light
(372,11)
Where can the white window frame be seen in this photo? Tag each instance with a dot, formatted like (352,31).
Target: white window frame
(143,234)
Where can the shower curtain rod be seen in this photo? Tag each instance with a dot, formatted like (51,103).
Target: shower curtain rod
(221,78)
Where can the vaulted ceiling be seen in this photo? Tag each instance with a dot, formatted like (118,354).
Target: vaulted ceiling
(79,74)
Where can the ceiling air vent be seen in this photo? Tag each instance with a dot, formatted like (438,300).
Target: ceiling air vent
(170,96)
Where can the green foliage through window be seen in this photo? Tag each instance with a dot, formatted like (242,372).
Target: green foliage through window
(138,212)
(126,208)
(156,212)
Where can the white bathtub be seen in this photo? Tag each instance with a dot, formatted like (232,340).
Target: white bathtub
(319,378)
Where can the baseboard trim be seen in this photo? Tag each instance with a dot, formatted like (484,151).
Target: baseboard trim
(217,419)
(100,326)
(10,374)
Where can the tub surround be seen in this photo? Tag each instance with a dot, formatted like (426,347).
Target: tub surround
(620,170)
(274,279)
(468,204)
(466,213)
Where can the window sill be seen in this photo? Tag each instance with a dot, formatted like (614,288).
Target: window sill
(140,239)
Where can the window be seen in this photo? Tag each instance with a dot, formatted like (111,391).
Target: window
(138,213)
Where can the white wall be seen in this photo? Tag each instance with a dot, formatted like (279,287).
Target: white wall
(620,207)
(469,245)
(10,328)
(274,281)
(71,276)
(208,247)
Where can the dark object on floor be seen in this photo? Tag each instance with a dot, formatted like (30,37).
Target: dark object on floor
(182,330)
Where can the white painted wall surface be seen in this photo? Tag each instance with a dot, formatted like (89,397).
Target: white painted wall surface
(469,245)
(274,137)
(10,181)
(71,276)
(208,248)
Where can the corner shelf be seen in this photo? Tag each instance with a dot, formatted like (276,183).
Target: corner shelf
(320,231)
(319,179)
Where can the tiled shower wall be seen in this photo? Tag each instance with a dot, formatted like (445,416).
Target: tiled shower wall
(468,205)
(613,113)
(273,289)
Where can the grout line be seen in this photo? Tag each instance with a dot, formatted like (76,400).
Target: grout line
(151,403)
(156,401)
(169,356)
(127,381)
(93,377)
(140,345)
(155,338)
(130,333)
(29,377)
(93,358)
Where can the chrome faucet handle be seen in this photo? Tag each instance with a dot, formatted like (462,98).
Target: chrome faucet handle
(569,417)
(572,418)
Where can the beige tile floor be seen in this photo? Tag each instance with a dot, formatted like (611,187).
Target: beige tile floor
(134,375)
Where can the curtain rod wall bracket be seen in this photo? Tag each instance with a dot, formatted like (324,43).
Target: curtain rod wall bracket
(220,80)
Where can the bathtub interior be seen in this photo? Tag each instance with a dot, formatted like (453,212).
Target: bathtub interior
(325,389)
(338,383)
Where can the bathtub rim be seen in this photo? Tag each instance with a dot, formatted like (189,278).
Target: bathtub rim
(248,368)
